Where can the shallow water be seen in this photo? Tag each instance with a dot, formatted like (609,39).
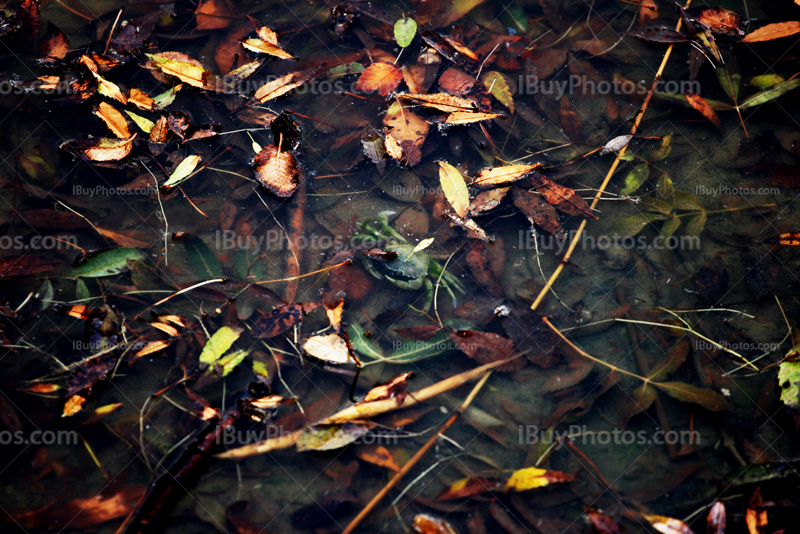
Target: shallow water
(724,195)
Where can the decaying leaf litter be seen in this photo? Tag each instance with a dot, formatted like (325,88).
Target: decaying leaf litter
(233,235)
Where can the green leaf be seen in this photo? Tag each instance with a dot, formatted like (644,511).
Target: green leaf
(660,206)
(143,123)
(455,188)
(81,291)
(105,263)
(219,343)
(665,189)
(44,295)
(260,369)
(685,201)
(669,226)
(662,151)
(729,77)
(630,226)
(329,437)
(642,398)
(696,224)
(230,361)
(203,260)
(635,179)
(404,31)
(362,345)
(498,86)
(716,105)
(167,97)
(514,17)
(707,398)
(182,171)
(766,81)
(770,94)
(789,382)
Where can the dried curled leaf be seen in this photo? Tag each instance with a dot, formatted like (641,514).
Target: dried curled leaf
(440,101)
(277,171)
(113,119)
(383,77)
(100,149)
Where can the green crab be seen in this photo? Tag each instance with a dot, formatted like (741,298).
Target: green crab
(409,270)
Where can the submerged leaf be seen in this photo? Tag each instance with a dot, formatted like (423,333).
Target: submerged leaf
(770,94)
(773,31)
(635,179)
(498,87)
(219,344)
(105,263)
(383,77)
(707,398)
(699,103)
(277,171)
(455,189)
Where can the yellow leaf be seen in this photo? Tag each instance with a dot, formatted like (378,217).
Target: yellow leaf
(455,189)
(73,405)
(497,85)
(464,117)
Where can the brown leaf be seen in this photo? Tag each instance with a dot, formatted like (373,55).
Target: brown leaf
(140,99)
(383,77)
(716,519)
(668,525)
(463,117)
(277,87)
(54,43)
(277,171)
(125,240)
(105,87)
(456,82)
(486,347)
(183,67)
(440,101)
(699,103)
(718,20)
(378,455)
(100,149)
(281,319)
(563,198)
(707,398)
(480,266)
(773,31)
(93,511)
(539,212)
(25,264)
(503,175)
(424,523)
(114,120)
(159,132)
(334,304)
(467,487)
(213,14)
(461,48)
(602,523)
(406,127)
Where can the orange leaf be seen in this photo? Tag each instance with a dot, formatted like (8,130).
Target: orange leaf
(104,87)
(42,388)
(383,77)
(100,149)
(277,87)
(73,405)
(264,47)
(54,43)
(503,174)
(140,99)
(378,455)
(153,346)
(772,31)
(213,14)
(700,104)
(277,171)
(183,67)
(440,101)
(166,328)
(113,119)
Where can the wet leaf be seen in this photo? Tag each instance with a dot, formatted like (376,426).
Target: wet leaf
(54,43)
(441,101)
(218,344)
(635,179)
(686,201)
(213,15)
(334,304)
(396,388)
(716,519)
(699,103)
(281,319)
(201,257)
(166,98)
(183,67)
(152,347)
(498,87)
(330,437)
(670,226)
(383,77)
(145,124)
(104,87)
(503,175)
(100,149)
(668,525)
(563,198)
(539,212)
(73,405)
(631,226)
(408,130)
(277,171)
(533,477)
(427,524)
(770,94)
(456,82)
(229,362)
(182,172)
(378,455)
(329,348)
(87,513)
(158,134)
(113,119)
(730,81)
(772,31)
(671,361)
(616,144)
(277,87)
(660,35)
(766,81)
(789,382)
(467,487)
(105,263)
(404,31)
(696,224)
(464,117)
(486,347)
(454,187)
(26,264)
(707,398)
(660,206)
(718,20)
(263,47)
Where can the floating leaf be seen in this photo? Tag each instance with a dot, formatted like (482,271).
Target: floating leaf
(378,455)
(104,87)
(407,133)
(383,77)
(770,94)
(113,119)
(151,347)
(772,31)
(699,103)
(668,525)
(105,263)
(203,260)
(167,97)
(789,382)
(229,362)
(184,169)
(140,99)
(73,405)
(463,117)
(404,31)
(144,123)
(329,347)
(277,171)
(707,398)
(498,87)
(616,144)
(277,87)
(101,149)
(503,174)
(455,189)
(534,477)
(457,82)
(218,344)
(186,69)
(635,179)
(440,101)
(263,47)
